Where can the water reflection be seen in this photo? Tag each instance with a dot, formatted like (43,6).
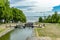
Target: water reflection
(5,37)
(18,34)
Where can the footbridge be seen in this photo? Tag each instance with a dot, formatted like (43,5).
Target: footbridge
(29,24)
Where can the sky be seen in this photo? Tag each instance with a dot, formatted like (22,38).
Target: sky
(36,7)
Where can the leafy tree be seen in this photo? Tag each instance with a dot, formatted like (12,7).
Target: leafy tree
(18,15)
(48,19)
(40,19)
(9,14)
(55,18)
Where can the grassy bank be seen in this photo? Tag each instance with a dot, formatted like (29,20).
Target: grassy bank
(51,30)
(5,28)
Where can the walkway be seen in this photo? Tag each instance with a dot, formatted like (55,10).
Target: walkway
(5,28)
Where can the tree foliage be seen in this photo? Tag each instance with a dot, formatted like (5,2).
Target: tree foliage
(40,19)
(55,18)
(18,15)
(9,14)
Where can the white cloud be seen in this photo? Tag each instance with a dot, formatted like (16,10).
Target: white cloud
(39,5)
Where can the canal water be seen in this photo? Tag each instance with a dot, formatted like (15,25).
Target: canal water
(18,34)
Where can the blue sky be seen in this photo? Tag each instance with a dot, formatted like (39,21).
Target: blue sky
(56,8)
(36,7)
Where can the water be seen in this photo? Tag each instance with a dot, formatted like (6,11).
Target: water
(18,34)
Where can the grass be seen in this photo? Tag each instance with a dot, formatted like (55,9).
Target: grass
(51,30)
(1,30)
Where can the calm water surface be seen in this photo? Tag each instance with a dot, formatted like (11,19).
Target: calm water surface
(18,34)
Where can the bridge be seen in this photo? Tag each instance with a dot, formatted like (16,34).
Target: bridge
(23,25)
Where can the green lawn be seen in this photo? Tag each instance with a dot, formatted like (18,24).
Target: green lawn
(51,30)
(2,30)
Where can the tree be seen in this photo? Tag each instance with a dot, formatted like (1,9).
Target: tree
(40,19)
(18,15)
(54,18)
(48,19)
(9,14)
